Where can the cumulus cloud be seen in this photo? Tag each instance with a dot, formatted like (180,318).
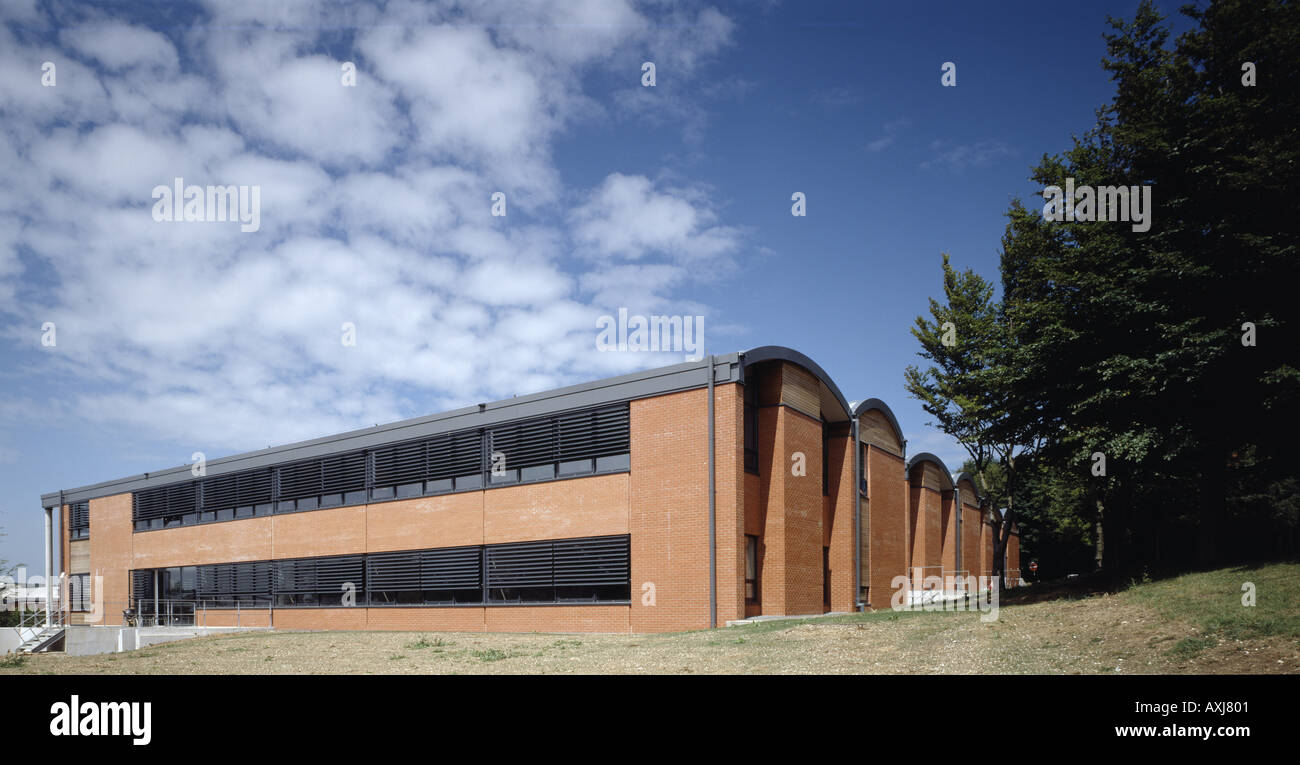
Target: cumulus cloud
(375,210)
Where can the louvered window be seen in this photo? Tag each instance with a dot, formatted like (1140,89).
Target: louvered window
(79,520)
(165,506)
(429,466)
(443,576)
(595,569)
(588,570)
(226,585)
(327,482)
(524,448)
(237,495)
(543,448)
(456,460)
(319,581)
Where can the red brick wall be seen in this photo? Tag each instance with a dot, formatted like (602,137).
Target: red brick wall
(948,532)
(670,512)
(729,506)
(586,507)
(793,570)
(110,553)
(970,542)
(662,503)
(1013,558)
(926,507)
(244,617)
(226,542)
(987,530)
(559,618)
(838,531)
(452,520)
(890,540)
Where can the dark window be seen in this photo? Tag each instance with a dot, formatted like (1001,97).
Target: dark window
(79,595)
(751,426)
(826,460)
(751,568)
(862,468)
(79,520)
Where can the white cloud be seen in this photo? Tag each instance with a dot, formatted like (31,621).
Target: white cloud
(958,157)
(115,45)
(627,217)
(375,210)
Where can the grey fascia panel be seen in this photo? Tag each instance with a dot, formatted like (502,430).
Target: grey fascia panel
(652,382)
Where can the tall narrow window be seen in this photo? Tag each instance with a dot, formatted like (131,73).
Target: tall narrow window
(751,426)
(751,568)
(862,468)
(79,593)
(826,460)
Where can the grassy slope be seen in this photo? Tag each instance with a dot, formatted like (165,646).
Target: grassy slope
(1192,623)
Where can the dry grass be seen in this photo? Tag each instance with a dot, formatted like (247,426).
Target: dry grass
(1193,624)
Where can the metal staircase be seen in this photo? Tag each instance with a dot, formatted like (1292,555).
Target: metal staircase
(36,635)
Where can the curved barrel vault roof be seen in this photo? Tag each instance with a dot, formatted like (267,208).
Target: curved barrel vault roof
(928,457)
(859,407)
(833,401)
(969,476)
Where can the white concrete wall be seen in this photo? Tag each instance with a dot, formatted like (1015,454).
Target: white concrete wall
(9,640)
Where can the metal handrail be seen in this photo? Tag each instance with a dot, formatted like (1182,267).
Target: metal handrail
(185,613)
(35,619)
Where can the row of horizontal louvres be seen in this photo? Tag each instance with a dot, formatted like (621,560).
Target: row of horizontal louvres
(591,562)
(79,515)
(561,438)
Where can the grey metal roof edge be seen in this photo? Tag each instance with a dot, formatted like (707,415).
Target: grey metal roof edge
(642,384)
(928,457)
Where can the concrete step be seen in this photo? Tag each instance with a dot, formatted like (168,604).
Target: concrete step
(782,617)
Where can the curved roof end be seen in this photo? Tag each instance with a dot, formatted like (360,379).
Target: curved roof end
(969,476)
(875,403)
(928,457)
(830,390)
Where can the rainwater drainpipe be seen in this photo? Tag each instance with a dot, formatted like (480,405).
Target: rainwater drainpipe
(713,509)
(856,452)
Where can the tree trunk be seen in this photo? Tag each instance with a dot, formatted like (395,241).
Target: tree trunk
(1099,536)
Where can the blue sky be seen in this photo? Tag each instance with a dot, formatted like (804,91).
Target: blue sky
(177,338)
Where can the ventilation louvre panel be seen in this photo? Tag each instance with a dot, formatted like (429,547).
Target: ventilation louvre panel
(592,562)
(527,564)
(250,487)
(593,433)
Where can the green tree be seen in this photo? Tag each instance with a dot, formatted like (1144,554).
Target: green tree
(963,388)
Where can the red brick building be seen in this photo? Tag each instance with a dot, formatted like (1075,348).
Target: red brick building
(676,498)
